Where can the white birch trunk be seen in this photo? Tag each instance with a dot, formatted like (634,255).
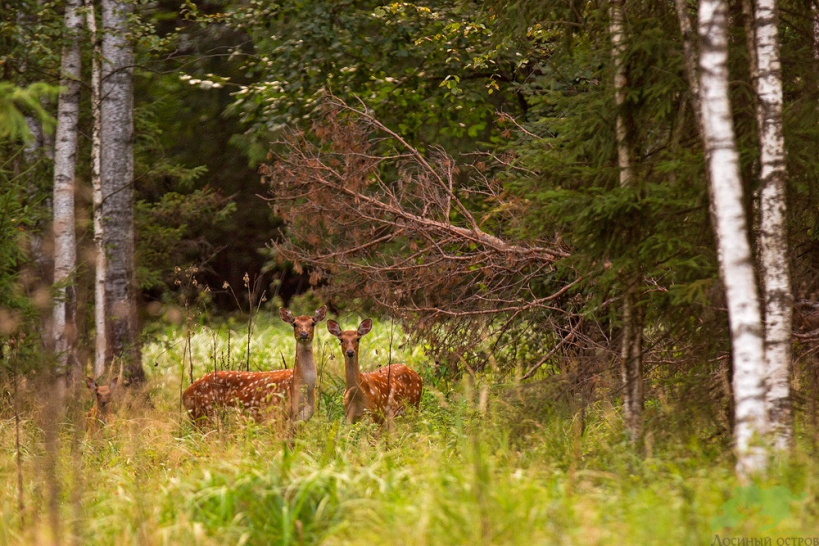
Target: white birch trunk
(773,251)
(693,77)
(101,344)
(618,51)
(631,358)
(117,174)
(65,162)
(816,32)
(732,238)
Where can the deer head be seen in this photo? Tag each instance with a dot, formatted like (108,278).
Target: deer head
(102,393)
(303,326)
(350,338)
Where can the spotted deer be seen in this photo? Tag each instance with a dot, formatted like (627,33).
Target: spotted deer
(381,393)
(265,395)
(98,414)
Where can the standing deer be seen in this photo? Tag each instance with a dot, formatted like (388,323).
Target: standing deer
(385,391)
(98,414)
(264,394)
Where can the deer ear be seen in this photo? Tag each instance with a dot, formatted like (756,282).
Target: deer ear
(286,315)
(365,327)
(320,314)
(333,328)
(91,384)
(113,384)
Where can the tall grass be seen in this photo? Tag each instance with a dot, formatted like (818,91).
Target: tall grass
(477,464)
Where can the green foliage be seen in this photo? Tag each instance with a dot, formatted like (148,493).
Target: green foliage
(754,501)
(30,42)
(567,171)
(259,507)
(19,312)
(15,218)
(168,232)
(16,103)
(430,71)
(184,146)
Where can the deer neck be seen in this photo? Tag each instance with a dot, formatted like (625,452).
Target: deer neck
(352,373)
(304,368)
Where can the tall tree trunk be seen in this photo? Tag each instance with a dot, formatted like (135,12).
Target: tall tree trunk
(690,58)
(631,364)
(750,45)
(732,238)
(631,357)
(101,344)
(815,32)
(773,245)
(693,77)
(117,172)
(65,163)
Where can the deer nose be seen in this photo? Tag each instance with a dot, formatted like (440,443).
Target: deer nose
(303,335)
(350,353)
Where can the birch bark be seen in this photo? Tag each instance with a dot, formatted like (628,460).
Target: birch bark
(693,77)
(117,176)
(65,163)
(773,247)
(631,358)
(815,32)
(101,340)
(732,238)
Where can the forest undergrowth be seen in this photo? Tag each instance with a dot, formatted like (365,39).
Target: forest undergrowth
(481,462)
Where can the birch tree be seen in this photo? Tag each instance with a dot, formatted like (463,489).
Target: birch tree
(773,245)
(816,32)
(101,342)
(117,179)
(65,162)
(631,358)
(734,248)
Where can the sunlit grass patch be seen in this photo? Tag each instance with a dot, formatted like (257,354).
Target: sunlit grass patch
(478,463)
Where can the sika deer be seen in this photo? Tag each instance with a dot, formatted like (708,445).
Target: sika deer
(98,415)
(385,391)
(263,394)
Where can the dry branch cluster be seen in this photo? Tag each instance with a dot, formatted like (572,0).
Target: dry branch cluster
(395,225)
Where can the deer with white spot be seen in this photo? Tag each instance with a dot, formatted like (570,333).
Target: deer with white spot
(264,395)
(384,392)
(98,414)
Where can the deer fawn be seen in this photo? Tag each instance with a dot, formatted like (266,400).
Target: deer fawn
(387,390)
(263,393)
(98,414)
